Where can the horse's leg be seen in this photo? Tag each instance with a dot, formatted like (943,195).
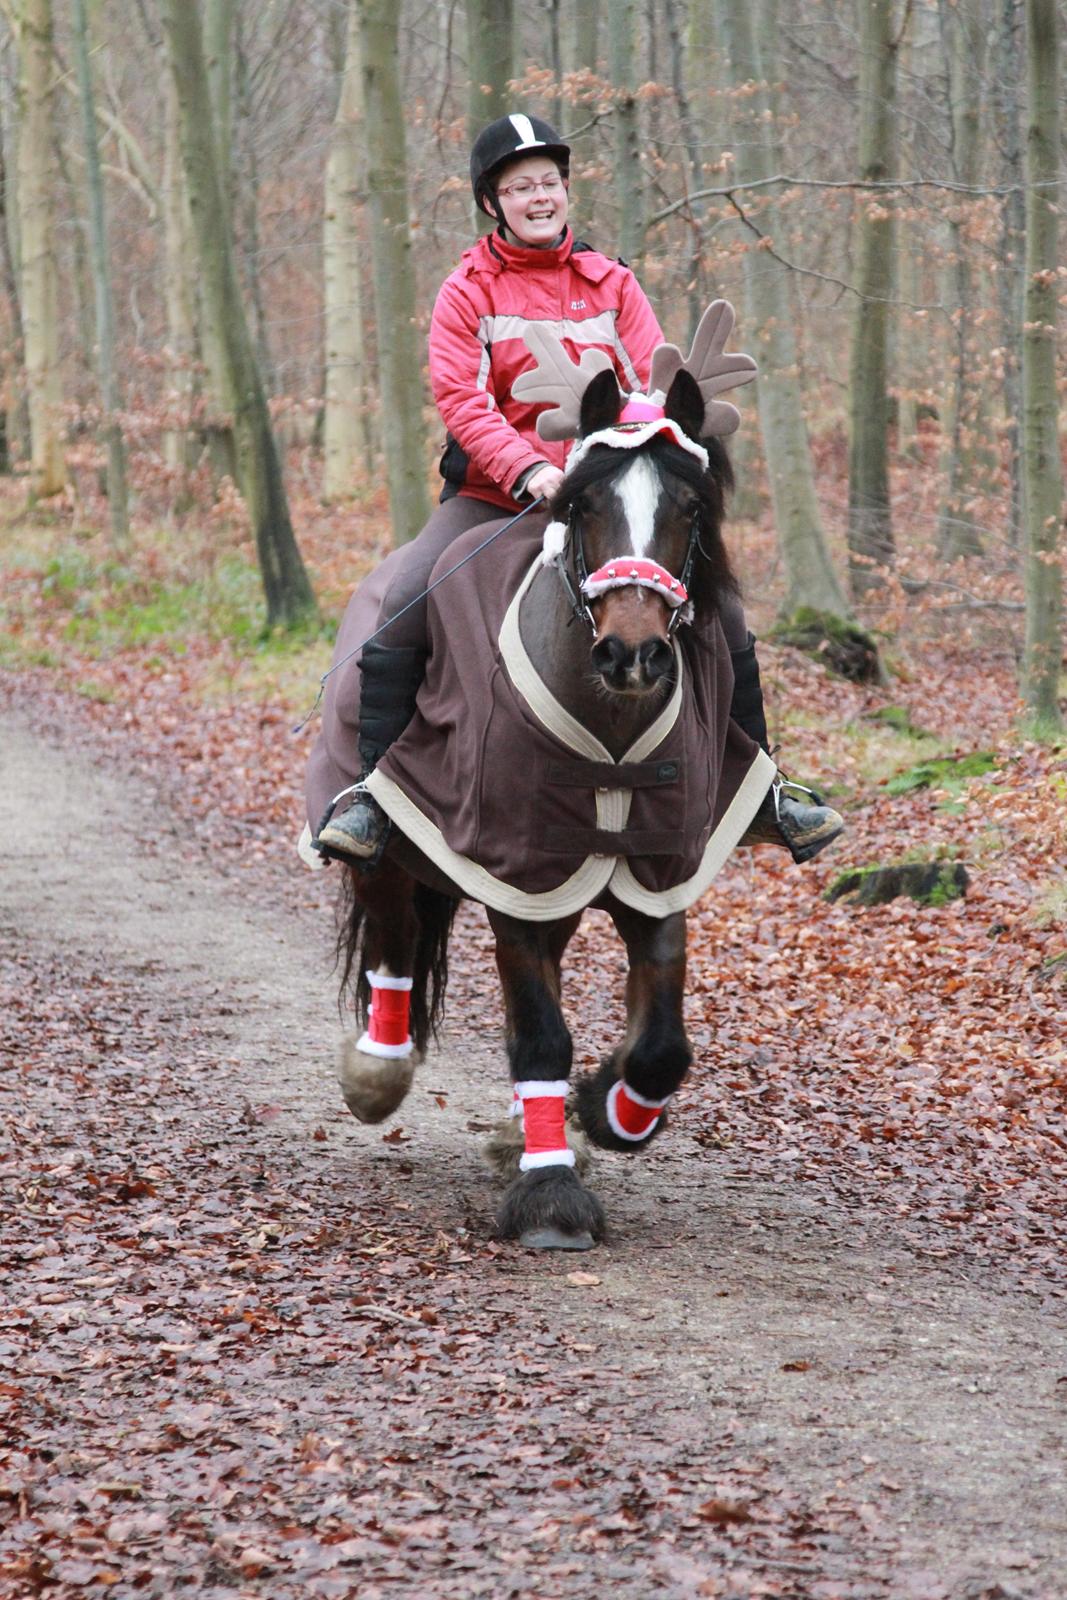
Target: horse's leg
(505,1147)
(376,1070)
(621,1106)
(547,1206)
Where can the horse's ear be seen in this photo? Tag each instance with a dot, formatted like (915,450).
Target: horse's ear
(685,404)
(601,404)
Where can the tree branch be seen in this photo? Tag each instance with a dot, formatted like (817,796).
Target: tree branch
(880,185)
(824,277)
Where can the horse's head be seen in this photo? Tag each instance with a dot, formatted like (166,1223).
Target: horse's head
(642,516)
(637,521)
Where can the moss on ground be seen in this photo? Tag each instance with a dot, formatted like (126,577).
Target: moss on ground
(928,883)
(842,646)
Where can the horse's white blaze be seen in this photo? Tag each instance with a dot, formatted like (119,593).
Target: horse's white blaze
(639,490)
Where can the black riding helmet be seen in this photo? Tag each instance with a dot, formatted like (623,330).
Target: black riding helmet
(509,139)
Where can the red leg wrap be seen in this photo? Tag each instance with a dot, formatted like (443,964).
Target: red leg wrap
(389,1017)
(544,1125)
(630,1115)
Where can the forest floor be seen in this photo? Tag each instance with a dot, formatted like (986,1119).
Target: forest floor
(251,1348)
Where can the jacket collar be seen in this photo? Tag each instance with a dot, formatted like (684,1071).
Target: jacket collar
(493,254)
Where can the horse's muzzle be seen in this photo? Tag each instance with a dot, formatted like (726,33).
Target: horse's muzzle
(629,669)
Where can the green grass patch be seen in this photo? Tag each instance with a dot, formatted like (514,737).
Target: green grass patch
(1050,908)
(951,773)
(123,612)
(90,690)
(898,718)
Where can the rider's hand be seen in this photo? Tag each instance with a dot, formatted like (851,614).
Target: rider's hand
(545,481)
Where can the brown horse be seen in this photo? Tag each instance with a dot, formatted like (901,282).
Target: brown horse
(619,783)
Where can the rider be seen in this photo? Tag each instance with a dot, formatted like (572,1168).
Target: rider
(530,269)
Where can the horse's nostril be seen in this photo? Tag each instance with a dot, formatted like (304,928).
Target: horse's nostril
(656,657)
(610,654)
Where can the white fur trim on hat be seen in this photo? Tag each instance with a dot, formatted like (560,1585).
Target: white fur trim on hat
(634,438)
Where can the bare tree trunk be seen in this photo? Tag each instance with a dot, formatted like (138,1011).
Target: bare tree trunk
(246,198)
(555,43)
(37,188)
(580,57)
(696,290)
(105,321)
(220,17)
(905,360)
(218,30)
(285,581)
(347,446)
(1042,470)
(622,62)
(870,535)
(16,416)
(183,380)
(399,363)
(1007,75)
(491,53)
(771,332)
(968,465)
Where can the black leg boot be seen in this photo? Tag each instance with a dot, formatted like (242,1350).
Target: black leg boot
(791,815)
(389,687)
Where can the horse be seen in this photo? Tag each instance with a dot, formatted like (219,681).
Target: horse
(617,655)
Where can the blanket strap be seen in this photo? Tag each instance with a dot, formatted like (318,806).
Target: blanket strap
(570,841)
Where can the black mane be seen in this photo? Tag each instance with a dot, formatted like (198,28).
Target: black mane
(712,577)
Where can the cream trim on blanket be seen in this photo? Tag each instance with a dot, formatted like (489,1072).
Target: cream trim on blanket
(596,873)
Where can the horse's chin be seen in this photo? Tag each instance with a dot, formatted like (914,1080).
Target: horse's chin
(628,692)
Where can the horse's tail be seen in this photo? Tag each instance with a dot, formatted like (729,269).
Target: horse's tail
(433,915)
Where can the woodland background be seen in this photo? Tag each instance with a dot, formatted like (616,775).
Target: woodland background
(214,211)
(217,275)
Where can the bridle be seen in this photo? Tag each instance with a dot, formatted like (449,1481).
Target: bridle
(576,586)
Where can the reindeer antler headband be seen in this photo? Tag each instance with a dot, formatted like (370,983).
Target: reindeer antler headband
(560,382)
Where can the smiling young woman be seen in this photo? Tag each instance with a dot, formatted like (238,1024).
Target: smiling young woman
(530,271)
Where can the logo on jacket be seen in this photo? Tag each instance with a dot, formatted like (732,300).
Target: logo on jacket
(577,305)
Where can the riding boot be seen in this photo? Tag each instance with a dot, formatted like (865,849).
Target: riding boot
(803,826)
(390,680)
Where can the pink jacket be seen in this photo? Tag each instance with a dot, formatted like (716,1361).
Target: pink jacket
(477,349)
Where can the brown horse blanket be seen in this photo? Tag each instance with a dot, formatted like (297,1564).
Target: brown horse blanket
(518,803)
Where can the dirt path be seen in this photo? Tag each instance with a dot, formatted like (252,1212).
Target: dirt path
(763,1392)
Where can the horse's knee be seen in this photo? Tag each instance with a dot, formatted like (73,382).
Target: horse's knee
(373,1086)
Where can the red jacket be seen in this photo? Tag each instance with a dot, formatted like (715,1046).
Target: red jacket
(477,349)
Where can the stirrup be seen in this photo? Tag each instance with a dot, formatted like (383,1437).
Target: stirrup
(803,828)
(335,843)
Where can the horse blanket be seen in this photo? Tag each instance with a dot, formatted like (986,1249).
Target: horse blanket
(516,801)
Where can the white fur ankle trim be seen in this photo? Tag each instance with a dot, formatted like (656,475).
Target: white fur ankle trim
(535,1089)
(383,980)
(388,1052)
(613,1120)
(639,1099)
(547,1158)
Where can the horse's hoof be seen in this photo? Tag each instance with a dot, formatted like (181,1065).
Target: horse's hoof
(555,1239)
(549,1209)
(373,1086)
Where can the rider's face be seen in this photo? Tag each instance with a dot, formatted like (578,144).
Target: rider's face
(535,219)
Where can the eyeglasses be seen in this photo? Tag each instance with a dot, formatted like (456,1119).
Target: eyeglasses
(524,188)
